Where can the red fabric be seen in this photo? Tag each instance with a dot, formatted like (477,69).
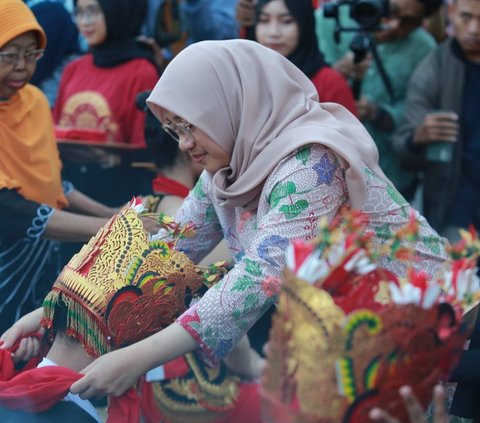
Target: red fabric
(39,389)
(90,97)
(7,368)
(247,407)
(167,186)
(150,412)
(332,87)
(176,368)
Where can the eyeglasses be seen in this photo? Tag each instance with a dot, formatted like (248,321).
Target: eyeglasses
(179,130)
(89,14)
(11,58)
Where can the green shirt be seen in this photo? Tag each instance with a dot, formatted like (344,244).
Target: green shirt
(399,59)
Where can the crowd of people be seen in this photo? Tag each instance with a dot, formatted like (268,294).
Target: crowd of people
(251,120)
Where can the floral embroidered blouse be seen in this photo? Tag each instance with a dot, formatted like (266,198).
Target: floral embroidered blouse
(305,186)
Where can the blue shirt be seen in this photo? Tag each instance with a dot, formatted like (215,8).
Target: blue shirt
(210,19)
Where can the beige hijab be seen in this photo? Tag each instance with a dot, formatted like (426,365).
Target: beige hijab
(259,108)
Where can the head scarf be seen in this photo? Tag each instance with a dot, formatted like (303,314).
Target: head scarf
(307,55)
(63,36)
(16,19)
(124,20)
(259,108)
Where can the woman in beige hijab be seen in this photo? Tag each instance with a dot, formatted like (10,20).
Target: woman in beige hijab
(275,161)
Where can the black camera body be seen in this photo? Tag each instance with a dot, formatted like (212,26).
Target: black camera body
(367,13)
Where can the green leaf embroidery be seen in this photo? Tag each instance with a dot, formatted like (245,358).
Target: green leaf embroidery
(237,318)
(303,155)
(195,326)
(253,267)
(383,232)
(236,315)
(242,284)
(280,191)
(243,325)
(291,211)
(251,301)
(210,213)
(433,243)
(396,196)
(198,191)
(209,337)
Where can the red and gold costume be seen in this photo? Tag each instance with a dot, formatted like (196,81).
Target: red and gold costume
(348,333)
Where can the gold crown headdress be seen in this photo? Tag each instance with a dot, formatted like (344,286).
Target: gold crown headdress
(121,287)
(348,334)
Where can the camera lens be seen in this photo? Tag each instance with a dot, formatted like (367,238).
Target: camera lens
(369,12)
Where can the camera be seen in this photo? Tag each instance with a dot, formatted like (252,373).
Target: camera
(367,13)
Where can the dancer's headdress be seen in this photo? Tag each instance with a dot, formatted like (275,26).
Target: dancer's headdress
(348,334)
(121,287)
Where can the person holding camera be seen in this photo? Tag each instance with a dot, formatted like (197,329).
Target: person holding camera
(395,45)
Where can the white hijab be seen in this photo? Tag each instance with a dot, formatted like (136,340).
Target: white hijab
(259,108)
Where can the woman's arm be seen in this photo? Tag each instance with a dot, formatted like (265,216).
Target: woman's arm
(198,210)
(115,372)
(23,218)
(82,204)
(71,227)
(300,191)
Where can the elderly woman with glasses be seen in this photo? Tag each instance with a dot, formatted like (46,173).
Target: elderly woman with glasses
(34,201)
(275,162)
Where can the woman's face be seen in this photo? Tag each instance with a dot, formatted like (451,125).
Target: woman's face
(276,28)
(91,22)
(18,63)
(201,148)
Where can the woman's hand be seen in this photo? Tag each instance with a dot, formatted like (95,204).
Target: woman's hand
(150,224)
(246,12)
(29,346)
(351,70)
(115,372)
(244,360)
(414,409)
(111,374)
(367,110)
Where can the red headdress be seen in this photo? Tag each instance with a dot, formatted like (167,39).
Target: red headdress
(121,287)
(348,334)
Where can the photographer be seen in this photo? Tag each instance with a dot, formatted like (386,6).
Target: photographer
(401,43)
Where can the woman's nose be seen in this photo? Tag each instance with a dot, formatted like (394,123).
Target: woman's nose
(185,143)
